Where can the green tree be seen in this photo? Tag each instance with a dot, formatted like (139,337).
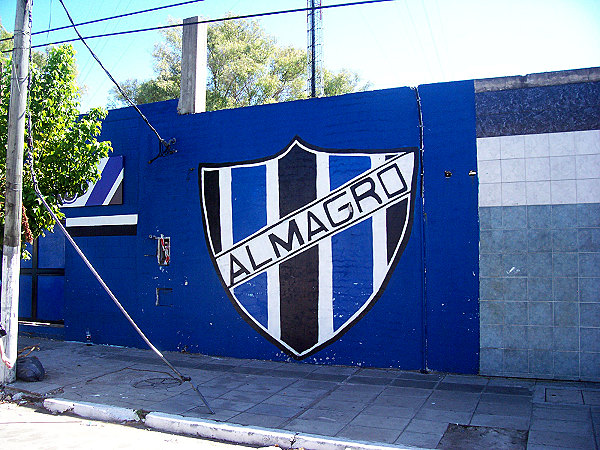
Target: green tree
(66,151)
(245,67)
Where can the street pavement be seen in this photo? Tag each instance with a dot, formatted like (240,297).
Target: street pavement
(352,406)
(24,427)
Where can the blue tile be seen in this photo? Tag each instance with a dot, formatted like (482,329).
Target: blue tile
(564,264)
(564,240)
(565,289)
(490,265)
(514,336)
(566,314)
(589,289)
(490,336)
(590,314)
(516,361)
(566,364)
(589,265)
(590,366)
(496,217)
(590,339)
(541,313)
(514,265)
(540,338)
(539,289)
(490,361)
(539,216)
(491,313)
(566,338)
(515,288)
(491,288)
(514,217)
(485,218)
(514,241)
(539,240)
(490,241)
(588,214)
(539,264)
(515,313)
(541,362)
(589,239)
(564,216)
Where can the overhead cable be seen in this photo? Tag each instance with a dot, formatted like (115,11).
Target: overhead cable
(221,19)
(163,143)
(49,30)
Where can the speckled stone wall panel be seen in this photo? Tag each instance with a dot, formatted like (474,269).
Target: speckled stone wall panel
(546,109)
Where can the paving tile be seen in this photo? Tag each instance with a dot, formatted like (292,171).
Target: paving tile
(460,387)
(559,439)
(569,426)
(466,405)
(423,384)
(389,411)
(339,405)
(427,440)
(259,420)
(442,415)
(221,403)
(432,376)
(326,377)
(274,410)
(427,426)
(551,412)
(500,421)
(564,396)
(369,420)
(508,390)
(329,415)
(315,427)
(591,398)
(219,415)
(369,434)
(383,373)
(369,380)
(283,399)
(503,409)
(241,396)
(406,392)
(396,400)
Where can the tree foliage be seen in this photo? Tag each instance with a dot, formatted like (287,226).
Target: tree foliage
(65,147)
(245,67)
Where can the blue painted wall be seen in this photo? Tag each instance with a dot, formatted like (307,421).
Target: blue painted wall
(197,316)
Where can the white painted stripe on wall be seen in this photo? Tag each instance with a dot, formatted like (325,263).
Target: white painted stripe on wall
(82,199)
(325,258)
(539,169)
(114,188)
(378,224)
(226,213)
(273,304)
(95,221)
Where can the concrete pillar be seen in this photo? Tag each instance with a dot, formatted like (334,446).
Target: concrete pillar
(192,97)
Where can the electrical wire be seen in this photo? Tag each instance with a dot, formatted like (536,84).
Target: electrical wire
(163,143)
(49,30)
(30,162)
(221,19)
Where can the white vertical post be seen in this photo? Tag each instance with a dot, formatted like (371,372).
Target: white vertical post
(192,98)
(11,251)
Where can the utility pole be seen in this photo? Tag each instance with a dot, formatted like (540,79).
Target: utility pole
(11,251)
(314,21)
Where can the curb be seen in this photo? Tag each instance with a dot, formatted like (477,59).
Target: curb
(93,411)
(208,429)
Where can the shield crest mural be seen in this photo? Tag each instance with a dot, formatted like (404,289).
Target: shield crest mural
(305,241)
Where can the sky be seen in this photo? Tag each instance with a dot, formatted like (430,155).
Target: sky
(397,43)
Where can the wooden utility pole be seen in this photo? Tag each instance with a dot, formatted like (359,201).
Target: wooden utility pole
(11,251)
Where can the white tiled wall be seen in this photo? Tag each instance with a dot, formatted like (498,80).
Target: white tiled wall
(539,169)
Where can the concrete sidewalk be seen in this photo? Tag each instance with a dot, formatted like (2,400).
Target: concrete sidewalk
(344,404)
